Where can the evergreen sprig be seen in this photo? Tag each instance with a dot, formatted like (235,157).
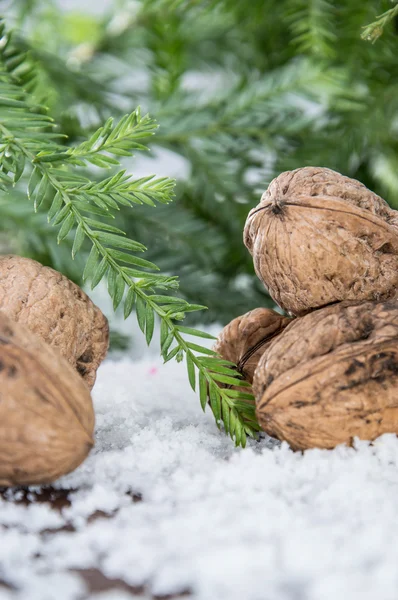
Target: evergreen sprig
(374,30)
(80,209)
(312,25)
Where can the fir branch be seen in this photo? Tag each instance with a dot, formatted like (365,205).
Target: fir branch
(311,22)
(374,30)
(77,207)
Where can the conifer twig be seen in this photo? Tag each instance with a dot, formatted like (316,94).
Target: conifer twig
(374,30)
(81,209)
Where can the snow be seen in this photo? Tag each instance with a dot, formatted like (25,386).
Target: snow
(166,504)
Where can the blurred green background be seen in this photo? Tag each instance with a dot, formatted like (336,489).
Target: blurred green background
(241,91)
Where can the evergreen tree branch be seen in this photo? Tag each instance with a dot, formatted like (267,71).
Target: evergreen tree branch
(78,207)
(374,30)
(311,22)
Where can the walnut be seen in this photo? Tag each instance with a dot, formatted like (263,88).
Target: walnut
(318,237)
(330,376)
(46,412)
(55,309)
(244,339)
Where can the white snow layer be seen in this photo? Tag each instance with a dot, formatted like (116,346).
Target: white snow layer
(263,523)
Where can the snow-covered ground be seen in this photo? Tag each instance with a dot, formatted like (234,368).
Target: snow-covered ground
(165,504)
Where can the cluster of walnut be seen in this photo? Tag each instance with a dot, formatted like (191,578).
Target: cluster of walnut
(326,248)
(52,340)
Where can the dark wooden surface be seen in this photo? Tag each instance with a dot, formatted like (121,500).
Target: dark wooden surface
(95,581)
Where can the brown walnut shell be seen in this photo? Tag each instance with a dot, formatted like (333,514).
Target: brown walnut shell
(244,340)
(318,237)
(46,412)
(330,376)
(55,309)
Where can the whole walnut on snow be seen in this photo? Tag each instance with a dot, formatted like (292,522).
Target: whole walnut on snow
(318,237)
(330,376)
(55,309)
(46,412)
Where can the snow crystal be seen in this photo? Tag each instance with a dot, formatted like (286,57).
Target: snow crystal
(165,504)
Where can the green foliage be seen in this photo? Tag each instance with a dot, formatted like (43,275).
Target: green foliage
(31,236)
(313,26)
(374,30)
(80,210)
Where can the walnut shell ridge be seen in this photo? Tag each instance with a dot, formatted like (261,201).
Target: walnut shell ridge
(55,309)
(330,376)
(245,338)
(46,412)
(318,237)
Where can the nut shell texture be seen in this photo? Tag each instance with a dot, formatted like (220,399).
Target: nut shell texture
(330,376)
(46,412)
(318,237)
(55,309)
(244,339)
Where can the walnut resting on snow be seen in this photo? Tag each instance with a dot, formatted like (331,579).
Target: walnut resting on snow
(318,237)
(55,309)
(46,412)
(244,340)
(330,376)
